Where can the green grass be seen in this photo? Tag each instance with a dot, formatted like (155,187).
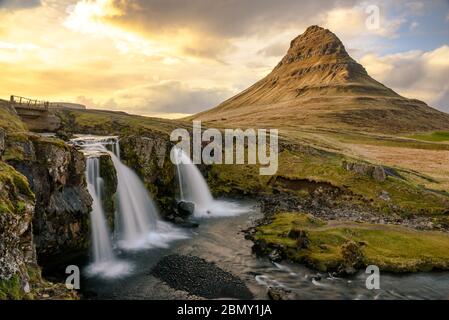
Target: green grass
(10,122)
(437,136)
(10,289)
(108,122)
(307,163)
(385,141)
(18,185)
(324,167)
(392,248)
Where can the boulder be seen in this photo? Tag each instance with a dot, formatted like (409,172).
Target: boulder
(301,237)
(379,174)
(365,169)
(185,208)
(275,255)
(353,257)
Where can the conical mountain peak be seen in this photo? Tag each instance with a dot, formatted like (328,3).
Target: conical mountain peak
(314,42)
(318,84)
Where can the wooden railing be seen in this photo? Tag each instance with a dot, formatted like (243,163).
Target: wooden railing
(27,103)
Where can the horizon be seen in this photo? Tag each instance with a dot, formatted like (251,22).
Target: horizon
(159,62)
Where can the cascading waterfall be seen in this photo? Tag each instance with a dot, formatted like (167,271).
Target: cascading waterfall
(137,221)
(104,263)
(101,243)
(193,188)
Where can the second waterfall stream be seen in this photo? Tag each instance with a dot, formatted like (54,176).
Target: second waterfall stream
(137,222)
(193,188)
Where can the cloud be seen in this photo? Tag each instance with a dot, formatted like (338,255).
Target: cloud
(414,74)
(414,25)
(274,50)
(171,96)
(18,4)
(354,21)
(198,28)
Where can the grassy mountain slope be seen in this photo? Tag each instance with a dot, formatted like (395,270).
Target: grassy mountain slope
(318,85)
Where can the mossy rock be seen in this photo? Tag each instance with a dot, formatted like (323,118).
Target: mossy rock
(109,175)
(11,289)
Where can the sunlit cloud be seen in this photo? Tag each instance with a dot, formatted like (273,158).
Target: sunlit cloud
(179,57)
(415,74)
(17,46)
(88,17)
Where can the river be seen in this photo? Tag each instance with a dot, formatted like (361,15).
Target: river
(222,241)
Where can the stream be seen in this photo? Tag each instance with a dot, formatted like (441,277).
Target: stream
(221,240)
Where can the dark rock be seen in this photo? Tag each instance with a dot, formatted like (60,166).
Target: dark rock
(365,169)
(17,252)
(275,255)
(200,277)
(185,208)
(66,136)
(278,294)
(109,176)
(2,141)
(301,237)
(56,174)
(260,247)
(379,174)
(149,156)
(352,258)
(316,277)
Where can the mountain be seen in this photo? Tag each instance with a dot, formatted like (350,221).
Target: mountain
(318,85)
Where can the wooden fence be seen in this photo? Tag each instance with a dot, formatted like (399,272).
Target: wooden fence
(27,103)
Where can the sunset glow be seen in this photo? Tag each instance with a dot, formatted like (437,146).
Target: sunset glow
(176,59)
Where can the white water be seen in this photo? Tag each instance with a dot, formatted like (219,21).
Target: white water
(137,221)
(193,188)
(104,263)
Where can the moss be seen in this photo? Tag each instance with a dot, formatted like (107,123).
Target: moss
(9,176)
(11,289)
(10,121)
(109,122)
(392,248)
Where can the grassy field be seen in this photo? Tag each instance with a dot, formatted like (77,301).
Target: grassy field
(437,136)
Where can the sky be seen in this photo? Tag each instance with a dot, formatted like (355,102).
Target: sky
(171,58)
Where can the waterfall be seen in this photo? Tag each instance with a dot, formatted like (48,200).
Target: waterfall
(138,216)
(137,222)
(193,188)
(104,263)
(101,243)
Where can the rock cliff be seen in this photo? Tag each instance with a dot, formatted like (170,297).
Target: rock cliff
(56,174)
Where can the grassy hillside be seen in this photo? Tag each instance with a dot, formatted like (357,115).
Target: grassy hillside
(313,170)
